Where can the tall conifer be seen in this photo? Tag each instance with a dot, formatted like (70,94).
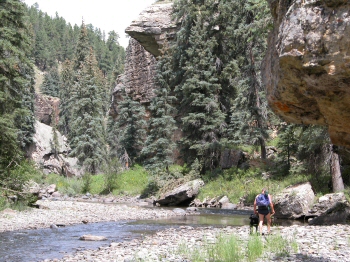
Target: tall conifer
(132,125)
(87,132)
(16,82)
(160,145)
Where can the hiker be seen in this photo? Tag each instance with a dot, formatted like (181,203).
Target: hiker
(265,209)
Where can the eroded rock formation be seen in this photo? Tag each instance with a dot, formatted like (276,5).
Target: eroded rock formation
(153,27)
(307,66)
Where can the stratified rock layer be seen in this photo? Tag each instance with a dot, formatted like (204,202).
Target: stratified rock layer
(307,66)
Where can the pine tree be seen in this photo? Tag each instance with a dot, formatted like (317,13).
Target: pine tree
(203,121)
(246,44)
(65,93)
(87,134)
(132,125)
(83,48)
(17,84)
(159,145)
(51,83)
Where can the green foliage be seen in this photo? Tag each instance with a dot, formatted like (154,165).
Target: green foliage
(159,146)
(230,248)
(87,127)
(65,185)
(132,181)
(87,181)
(226,249)
(16,84)
(111,172)
(255,247)
(132,125)
(56,40)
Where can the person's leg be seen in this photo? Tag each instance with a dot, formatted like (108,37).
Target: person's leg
(268,218)
(261,222)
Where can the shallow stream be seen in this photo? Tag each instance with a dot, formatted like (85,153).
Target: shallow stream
(40,244)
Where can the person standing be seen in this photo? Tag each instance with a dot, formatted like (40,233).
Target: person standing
(263,206)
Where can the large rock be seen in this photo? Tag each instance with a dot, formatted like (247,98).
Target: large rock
(294,202)
(44,154)
(183,194)
(307,65)
(153,27)
(330,209)
(337,214)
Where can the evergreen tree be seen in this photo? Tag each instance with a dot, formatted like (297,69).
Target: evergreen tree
(246,40)
(83,48)
(203,121)
(65,93)
(17,84)
(51,83)
(132,125)
(87,124)
(159,145)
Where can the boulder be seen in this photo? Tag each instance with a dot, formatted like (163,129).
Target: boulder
(330,209)
(306,68)
(294,202)
(224,200)
(325,202)
(229,206)
(92,238)
(181,195)
(52,160)
(337,214)
(231,158)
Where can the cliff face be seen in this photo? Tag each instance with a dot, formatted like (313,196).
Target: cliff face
(138,77)
(307,66)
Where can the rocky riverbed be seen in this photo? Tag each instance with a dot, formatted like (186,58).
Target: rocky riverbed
(313,243)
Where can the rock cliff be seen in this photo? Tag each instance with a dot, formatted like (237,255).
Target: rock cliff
(47,109)
(307,66)
(138,77)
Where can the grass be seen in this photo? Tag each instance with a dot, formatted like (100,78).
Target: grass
(130,182)
(231,248)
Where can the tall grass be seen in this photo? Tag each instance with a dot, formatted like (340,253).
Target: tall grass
(129,182)
(232,248)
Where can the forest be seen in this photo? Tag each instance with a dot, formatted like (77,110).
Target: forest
(208,88)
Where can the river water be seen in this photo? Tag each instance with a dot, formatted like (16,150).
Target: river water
(40,244)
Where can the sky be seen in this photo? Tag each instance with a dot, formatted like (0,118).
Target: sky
(107,15)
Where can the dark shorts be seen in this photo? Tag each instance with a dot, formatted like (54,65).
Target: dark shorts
(263,211)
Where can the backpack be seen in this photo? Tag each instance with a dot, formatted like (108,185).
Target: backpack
(262,200)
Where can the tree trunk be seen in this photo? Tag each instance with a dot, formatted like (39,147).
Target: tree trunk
(262,147)
(337,179)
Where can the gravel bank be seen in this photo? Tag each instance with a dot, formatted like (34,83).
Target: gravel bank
(71,212)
